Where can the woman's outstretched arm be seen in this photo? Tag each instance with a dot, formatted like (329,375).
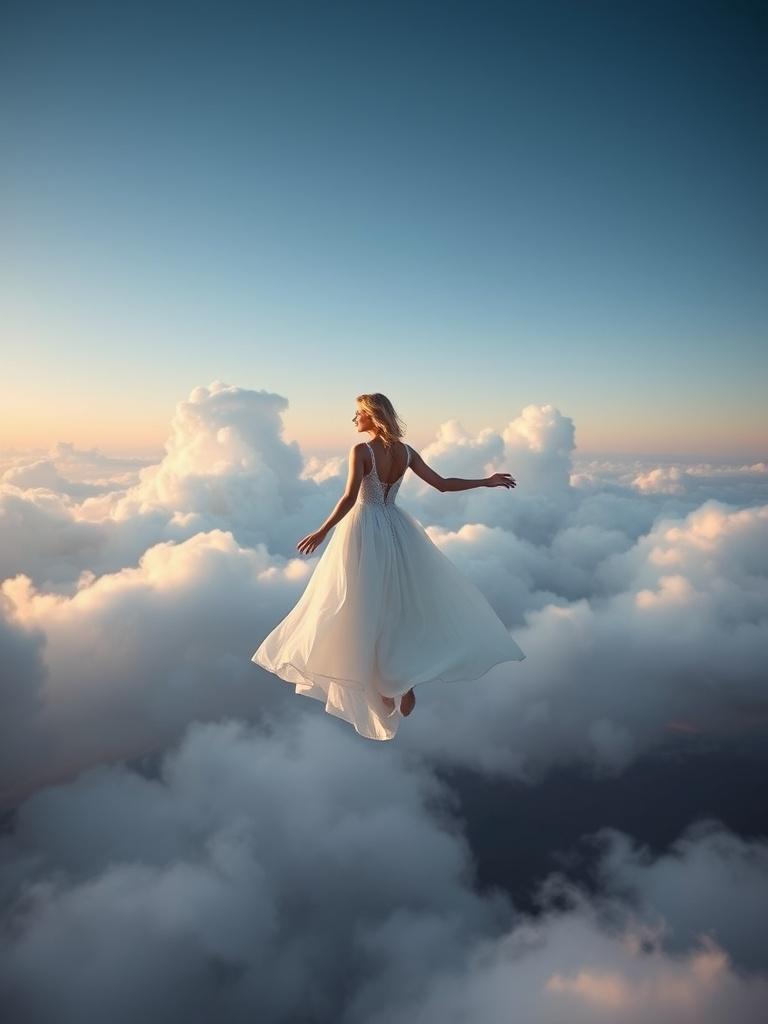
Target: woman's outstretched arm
(456,483)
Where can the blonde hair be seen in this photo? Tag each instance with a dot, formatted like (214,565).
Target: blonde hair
(383,414)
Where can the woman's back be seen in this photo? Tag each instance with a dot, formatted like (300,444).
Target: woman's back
(379,486)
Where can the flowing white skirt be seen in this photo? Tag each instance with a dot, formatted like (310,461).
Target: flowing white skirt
(383,611)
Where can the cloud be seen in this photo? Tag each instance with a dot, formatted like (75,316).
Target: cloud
(282,873)
(709,882)
(225,464)
(246,875)
(130,658)
(42,537)
(679,633)
(693,482)
(76,472)
(22,678)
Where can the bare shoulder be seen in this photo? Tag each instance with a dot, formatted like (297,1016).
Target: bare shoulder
(359,454)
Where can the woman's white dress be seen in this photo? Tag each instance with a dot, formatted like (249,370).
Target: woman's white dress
(384,610)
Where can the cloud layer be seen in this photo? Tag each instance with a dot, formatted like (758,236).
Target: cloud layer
(255,854)
(132,612)
(287,877)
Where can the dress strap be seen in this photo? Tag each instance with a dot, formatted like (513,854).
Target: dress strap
(407,456)
(373,457)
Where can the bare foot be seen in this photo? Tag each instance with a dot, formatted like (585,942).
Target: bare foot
(408,702)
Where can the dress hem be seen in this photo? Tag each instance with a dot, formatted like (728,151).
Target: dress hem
(361,685)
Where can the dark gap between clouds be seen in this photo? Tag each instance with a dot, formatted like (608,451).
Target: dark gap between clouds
(520,833)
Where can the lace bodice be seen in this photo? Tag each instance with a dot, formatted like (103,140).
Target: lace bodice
(374,491)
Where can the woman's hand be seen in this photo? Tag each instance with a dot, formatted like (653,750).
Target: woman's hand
(308,544)
(501,480)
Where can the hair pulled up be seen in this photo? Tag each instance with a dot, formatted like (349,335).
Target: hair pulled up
(382,412)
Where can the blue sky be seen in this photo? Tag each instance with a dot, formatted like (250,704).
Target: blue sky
(470,207)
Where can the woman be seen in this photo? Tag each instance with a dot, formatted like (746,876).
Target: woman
(384,609)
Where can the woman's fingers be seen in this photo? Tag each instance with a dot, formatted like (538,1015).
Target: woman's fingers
(307,545)
(504,480)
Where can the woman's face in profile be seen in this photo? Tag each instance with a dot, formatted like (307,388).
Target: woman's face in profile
(362,420)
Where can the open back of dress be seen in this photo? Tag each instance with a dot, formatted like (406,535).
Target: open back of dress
(374,490)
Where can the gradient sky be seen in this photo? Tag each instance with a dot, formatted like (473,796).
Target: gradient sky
(468,206)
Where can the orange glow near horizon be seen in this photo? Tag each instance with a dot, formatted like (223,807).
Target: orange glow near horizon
(104,423)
